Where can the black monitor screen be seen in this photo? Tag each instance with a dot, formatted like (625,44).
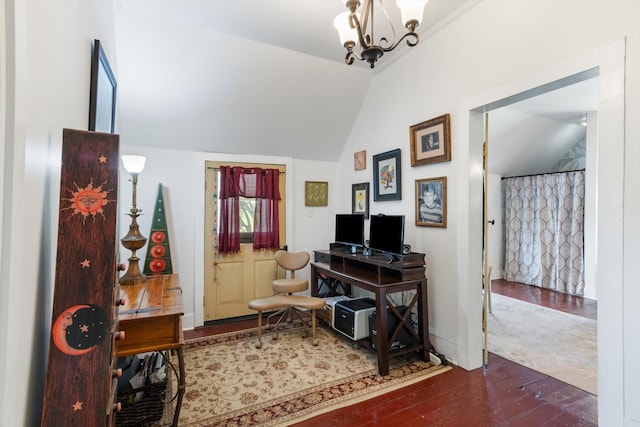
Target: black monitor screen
(350,229)
(386,233)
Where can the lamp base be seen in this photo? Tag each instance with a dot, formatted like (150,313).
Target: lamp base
(133,274)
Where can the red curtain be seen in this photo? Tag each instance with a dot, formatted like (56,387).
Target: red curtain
(261,184)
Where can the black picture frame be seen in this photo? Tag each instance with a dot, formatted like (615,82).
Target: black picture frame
(360,199)
(387,176)
(102,93)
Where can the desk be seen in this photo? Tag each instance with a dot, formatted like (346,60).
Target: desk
(377,275)
(151,318)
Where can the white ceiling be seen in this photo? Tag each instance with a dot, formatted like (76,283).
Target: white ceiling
(531,136)
(263,77)
(267,77)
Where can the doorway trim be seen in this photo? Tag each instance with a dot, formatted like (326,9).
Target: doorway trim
(610,61)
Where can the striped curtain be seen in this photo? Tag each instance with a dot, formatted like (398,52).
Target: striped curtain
(544,231)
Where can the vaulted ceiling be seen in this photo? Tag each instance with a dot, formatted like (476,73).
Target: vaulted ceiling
(267,77)
(244,76)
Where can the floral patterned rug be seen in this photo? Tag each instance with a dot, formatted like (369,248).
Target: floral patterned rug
(229,382)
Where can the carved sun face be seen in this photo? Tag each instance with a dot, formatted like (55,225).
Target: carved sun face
(88,200)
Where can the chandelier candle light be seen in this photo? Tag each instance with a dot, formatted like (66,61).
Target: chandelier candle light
(357,35)
(133,240)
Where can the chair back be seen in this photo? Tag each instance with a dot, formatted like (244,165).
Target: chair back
(292,261)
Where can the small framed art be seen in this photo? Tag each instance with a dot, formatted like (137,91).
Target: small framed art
(360,199)
(360,160)
(431,202)
(431,141)
(387,177)
(316,193)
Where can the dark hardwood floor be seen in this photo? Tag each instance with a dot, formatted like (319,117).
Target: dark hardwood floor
(501,394)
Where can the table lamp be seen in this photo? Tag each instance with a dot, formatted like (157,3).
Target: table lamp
(134,240)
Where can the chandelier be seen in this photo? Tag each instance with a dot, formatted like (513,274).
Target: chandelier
(357,34)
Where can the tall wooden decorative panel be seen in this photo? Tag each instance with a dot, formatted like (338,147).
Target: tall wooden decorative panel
(80,381)
(158,260)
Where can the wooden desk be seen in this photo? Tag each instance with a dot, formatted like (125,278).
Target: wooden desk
(377,275)
(151,318)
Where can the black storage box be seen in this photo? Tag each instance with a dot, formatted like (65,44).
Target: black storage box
(403,339)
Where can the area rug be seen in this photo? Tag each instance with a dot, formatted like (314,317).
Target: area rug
(558,344)
(229,382)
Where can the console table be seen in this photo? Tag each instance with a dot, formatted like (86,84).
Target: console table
(375,273)
(151,317)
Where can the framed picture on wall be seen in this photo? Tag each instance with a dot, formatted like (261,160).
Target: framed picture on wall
(316,193)
(360,199)
(360,160)
(387,182)
(102,93)
(431,141)
(431,202)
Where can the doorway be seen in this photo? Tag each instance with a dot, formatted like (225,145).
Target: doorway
(232,280)
(532,133)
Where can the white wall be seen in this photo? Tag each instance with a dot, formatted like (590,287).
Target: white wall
(496,49)
(182,174)
(48,50)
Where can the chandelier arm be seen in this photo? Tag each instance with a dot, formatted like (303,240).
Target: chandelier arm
(366,10)
(355,23)
(348,59)
(406,36)
(351,54)
(393,30)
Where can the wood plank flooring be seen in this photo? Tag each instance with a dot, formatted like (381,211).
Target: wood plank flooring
(501,394)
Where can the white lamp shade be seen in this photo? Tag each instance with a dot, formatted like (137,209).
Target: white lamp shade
(133,164)
(345,32)
(411,9)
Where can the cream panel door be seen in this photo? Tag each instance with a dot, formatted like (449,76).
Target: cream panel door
(232,280)
(238,279)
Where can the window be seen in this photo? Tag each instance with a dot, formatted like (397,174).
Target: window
(247,208)
(247,212)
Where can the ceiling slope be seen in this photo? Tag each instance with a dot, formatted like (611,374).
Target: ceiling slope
(264,77)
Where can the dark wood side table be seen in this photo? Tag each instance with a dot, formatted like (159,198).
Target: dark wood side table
(151,318)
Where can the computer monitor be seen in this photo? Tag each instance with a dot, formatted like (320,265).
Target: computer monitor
(386,234)
(350,230)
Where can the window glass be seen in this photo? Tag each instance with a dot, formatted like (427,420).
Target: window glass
(247,212)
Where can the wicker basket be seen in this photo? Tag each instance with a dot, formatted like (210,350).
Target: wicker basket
(147,410)
(325,314)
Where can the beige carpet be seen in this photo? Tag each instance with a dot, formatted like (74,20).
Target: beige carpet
(561,345)
(230,382)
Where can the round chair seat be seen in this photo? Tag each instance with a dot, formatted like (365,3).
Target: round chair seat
(289,285)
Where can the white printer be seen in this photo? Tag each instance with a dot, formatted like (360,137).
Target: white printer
(351,317)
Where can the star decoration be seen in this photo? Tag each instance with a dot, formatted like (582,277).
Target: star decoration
(102,159)
(84,328)
(85,264)
(77,406)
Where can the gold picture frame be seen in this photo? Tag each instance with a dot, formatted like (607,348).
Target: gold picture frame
(431,141)
(360,160)
(431,202)
(316,193)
